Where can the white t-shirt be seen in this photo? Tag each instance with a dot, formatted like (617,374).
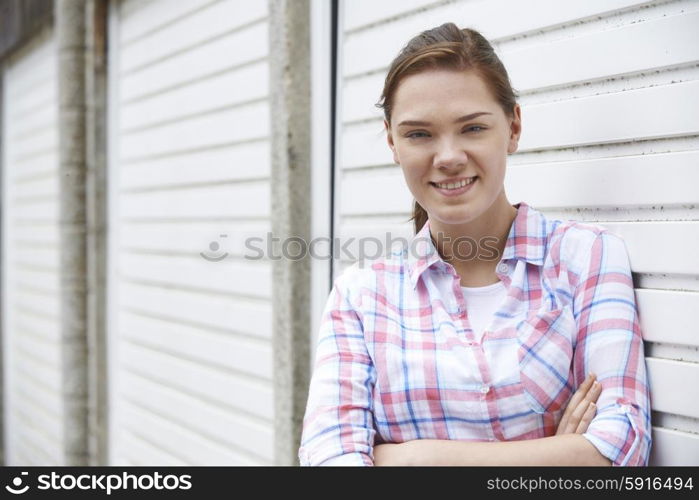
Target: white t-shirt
(482,302)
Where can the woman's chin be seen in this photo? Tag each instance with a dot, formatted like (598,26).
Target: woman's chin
(452,215)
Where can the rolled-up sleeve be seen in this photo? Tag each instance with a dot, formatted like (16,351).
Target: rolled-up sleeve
(338,425)
(609,343)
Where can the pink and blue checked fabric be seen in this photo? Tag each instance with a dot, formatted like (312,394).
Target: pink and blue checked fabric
(396,359)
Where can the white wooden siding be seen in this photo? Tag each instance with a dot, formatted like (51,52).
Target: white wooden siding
(33,412)
(190,340)
(609,92)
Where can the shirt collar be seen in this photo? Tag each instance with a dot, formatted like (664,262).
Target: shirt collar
(526,241)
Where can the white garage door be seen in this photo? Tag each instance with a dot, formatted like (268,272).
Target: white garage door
(609,92)
(190,338)
(30,313)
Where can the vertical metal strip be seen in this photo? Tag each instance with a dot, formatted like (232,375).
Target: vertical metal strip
(96,200)
(70,38)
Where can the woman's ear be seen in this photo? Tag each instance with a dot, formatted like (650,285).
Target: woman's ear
(389,139)
(515,130)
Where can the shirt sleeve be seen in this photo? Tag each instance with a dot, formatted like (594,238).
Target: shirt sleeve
(338,426)
(609,343)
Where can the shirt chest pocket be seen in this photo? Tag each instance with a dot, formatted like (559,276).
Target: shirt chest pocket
(545,356)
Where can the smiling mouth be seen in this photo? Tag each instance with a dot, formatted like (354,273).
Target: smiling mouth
(455,186)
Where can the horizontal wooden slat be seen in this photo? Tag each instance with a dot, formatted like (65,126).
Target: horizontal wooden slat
(176,439)
(250,82)
(29,118)
(209,347)
(248,277)
(238,162)
(37,347)
(665,376)
(48,302)
(226,200)
(48,185)
(30,380)
(29,97)
(674,448)
(37,55)
(37,416)
(46,280)
(139,18)
(49,376)
(35,254)
(485,16)
(364,145)
(662,111)
(668,316)
(34,165)
(208,59)
(196,237)
(657,43)
(197,28)
(225,313)
(652,179)
(223,127)
(135,449)
(218,386)
(364,192)
(358,13)
(42,450)
(206,419)
(42,140)
(660,247)
(32,74)
(28,234)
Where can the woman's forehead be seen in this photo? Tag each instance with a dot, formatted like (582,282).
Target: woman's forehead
(443,95)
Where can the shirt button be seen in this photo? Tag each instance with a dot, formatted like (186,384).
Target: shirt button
(485,389)
(502,267)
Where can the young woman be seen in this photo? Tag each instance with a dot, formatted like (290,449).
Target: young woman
(478,344)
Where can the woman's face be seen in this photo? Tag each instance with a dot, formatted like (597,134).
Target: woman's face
(448,148)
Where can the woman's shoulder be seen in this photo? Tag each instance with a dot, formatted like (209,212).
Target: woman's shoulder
(571,240)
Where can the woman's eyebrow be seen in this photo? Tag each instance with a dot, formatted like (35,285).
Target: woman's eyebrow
(465,118)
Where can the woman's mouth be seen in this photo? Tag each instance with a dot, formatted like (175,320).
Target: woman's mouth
(455,188)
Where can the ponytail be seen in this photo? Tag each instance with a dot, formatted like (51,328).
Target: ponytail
(419,217)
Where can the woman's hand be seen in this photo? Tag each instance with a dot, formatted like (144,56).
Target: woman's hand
(581,408)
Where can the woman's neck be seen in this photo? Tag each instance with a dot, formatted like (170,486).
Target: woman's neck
(480,238)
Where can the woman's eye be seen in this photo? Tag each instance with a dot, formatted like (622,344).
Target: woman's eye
(412,134)
(476,127)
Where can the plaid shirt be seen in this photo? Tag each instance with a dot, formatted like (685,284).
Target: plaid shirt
(397,360)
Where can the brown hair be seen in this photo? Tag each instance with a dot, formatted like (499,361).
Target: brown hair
(448,47)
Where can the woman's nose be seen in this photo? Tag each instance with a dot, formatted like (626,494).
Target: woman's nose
(450,155)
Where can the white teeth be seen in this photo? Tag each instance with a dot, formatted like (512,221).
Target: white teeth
(456,185)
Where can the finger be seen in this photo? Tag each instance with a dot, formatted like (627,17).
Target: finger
(586,418)
(591,397)
(575,400)
(578,413)
(593,394)
(582,391)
